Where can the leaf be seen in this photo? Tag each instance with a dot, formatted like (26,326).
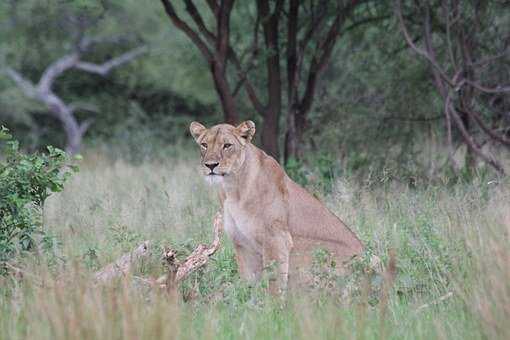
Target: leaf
(4,133)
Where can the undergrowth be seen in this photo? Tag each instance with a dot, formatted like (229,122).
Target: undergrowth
(451,264)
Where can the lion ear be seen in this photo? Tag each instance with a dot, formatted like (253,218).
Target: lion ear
(246,130)
(196,129)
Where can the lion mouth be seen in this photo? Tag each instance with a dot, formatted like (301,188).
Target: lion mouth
(214,174)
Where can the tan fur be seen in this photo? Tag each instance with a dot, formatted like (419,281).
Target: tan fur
(270,218)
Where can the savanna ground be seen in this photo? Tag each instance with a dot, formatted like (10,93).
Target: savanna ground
(451,243)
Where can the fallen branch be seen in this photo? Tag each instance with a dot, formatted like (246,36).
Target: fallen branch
(123,265)
(178,271)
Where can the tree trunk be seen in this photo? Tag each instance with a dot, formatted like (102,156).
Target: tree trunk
(74,133)
(291,143)
(274,88)
(270,133)
(470,159)
(223,89)
(291,138)
(73,143)
(296,126)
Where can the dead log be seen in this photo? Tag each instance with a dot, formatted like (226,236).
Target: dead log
(123,265)
(178,271)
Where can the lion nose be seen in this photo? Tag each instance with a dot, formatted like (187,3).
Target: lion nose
(211,165)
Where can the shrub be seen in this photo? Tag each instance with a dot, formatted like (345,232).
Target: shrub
(26,181)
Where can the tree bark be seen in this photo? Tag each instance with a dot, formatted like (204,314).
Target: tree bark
(270,25)
(270,133)
(291,138)
(223,90)
(73,134)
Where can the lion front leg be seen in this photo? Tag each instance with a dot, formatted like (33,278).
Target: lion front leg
(276,252)
(249,263)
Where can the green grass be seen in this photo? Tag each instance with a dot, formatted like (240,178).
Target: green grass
(449,241)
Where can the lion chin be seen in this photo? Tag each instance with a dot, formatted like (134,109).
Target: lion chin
(214,179)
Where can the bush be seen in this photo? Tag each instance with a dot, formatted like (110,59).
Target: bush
(26,181)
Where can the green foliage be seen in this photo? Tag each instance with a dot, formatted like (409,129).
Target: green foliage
(26,181)
(316,171)
(451,253)
(155,94)
(296,171)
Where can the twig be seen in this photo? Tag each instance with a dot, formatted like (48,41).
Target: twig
(123,265)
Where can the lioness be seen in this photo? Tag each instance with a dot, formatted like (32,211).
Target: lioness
(270,218)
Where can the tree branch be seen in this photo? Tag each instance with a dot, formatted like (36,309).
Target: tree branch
(197,18)
(319,61)
(184,27)
(223,30)
(488,60)
(213,5)
(25,85)
(471,143)
(83,106)
(56,106)
(410,42)
(84,126)
(478,119)
(56,69)
(449,138)
(243,73)
(106,67)
(314,27)
(479,87)
(250,90)
(443,91)
(364,21)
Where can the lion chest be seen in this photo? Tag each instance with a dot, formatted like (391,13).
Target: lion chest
(241,227)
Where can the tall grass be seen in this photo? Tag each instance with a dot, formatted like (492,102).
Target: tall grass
(451,244)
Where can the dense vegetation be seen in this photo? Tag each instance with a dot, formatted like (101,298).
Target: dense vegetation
(395,113)
(451,247)
(377,103)
(26,181)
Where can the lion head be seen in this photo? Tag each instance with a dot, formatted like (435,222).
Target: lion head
(222,148)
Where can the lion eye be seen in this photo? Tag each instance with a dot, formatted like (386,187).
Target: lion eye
(227,145)
(204,145)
